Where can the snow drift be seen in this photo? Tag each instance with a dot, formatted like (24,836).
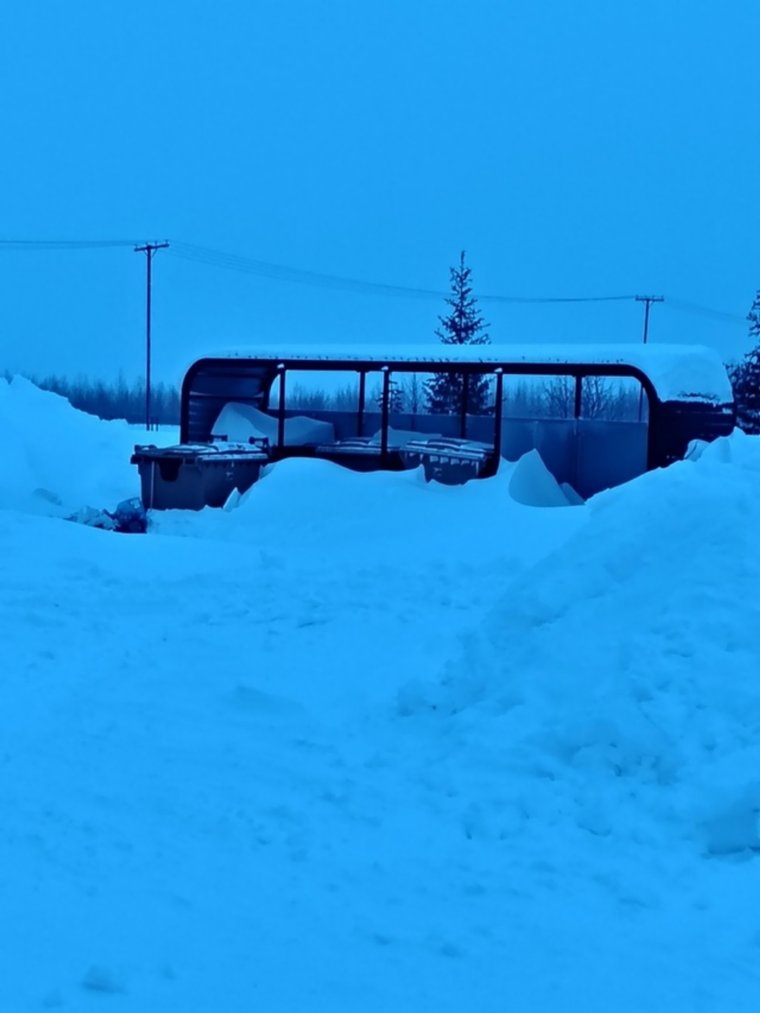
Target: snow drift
(58,459)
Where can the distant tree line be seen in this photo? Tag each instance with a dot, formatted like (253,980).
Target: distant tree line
(601,398)
(524,397)
(115,400)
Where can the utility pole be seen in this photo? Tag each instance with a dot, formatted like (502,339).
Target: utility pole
(648,300)
(149,250)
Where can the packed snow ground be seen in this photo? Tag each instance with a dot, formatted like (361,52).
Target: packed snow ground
(364,743)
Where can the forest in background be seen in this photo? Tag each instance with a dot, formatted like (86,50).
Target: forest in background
(116,400)
(529,397)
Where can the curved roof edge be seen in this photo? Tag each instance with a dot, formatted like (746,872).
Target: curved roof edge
(678,372)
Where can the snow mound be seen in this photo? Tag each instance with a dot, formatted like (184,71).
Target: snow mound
(58,459)
(625,666)
(604,722)
(321,508)
(532,484)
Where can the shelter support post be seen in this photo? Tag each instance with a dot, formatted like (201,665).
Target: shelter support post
(578,396)
(463,406)
(497,414)
(281,410)
(385,409)
(362,396)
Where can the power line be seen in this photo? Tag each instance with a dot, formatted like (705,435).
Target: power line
(294,275)
(280,272)
(34,245)
(706,311)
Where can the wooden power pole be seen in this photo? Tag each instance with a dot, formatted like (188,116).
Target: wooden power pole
(149,249)
(648,300)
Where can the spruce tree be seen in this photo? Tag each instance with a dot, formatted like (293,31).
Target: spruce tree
(395,397)
(463,325)
(746,376)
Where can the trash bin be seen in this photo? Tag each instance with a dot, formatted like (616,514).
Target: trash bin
(451,461)
(192,476)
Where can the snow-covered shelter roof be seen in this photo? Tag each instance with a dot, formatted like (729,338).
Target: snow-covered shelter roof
(677,372)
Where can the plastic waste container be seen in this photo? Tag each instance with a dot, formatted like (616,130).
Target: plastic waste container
(451,461)
(192,476)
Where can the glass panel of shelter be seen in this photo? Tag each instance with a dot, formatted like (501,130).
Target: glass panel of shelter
(432,403)
(614,399)
(607,398)
(530,396)
(310,390)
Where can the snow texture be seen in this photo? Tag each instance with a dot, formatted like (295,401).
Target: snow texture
(57,459)
(367,743)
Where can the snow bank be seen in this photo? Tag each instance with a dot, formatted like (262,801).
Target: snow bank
(55,455)
(611,706)
(58,459)
(317,507)
(665,692)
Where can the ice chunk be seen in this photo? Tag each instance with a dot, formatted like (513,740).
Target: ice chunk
(532,484)
(239,422)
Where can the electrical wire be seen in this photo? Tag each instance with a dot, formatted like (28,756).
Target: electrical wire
(279,272)
(295,275)
(706,311)
(34,245)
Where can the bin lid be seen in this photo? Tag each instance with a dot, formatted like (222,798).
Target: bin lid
(196,451)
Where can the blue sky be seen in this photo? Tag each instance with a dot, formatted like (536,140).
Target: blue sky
(573,149)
